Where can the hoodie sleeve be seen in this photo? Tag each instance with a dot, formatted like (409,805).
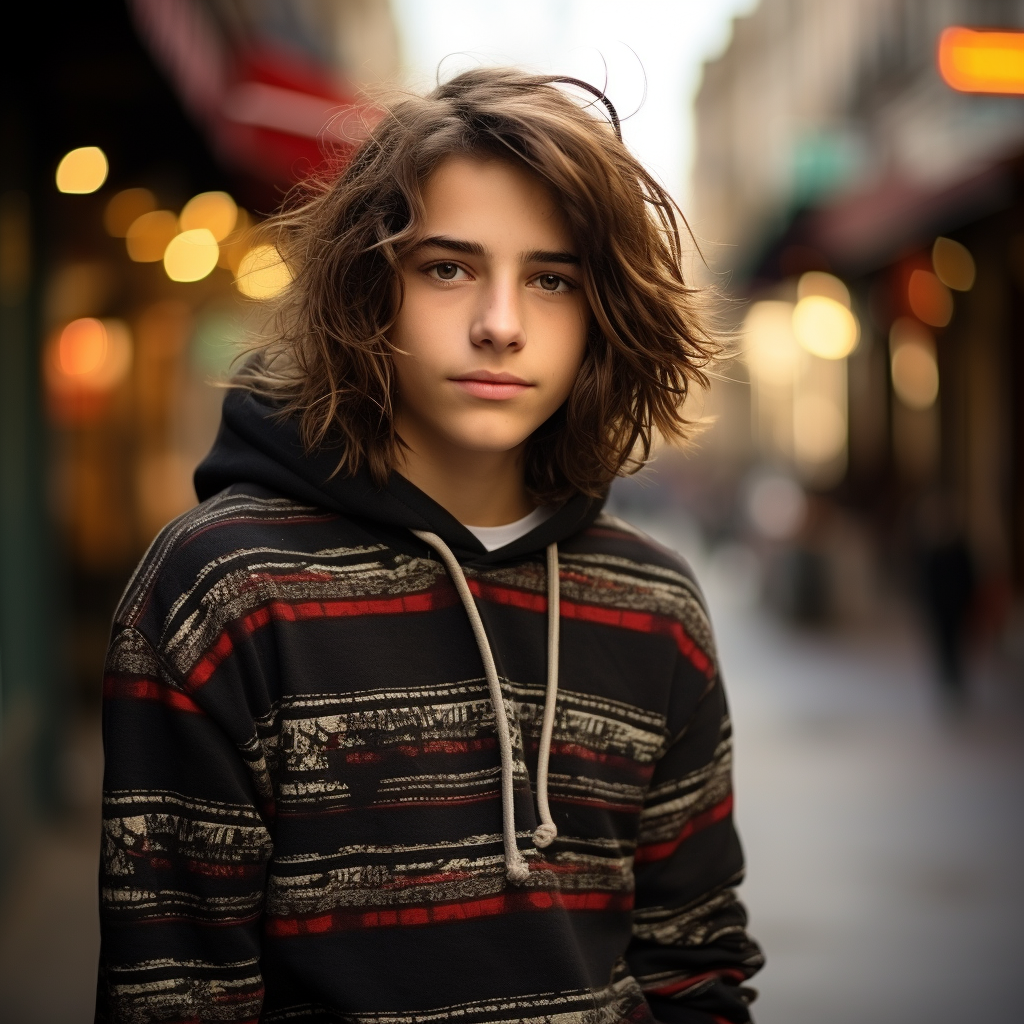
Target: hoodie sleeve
(690,951)
(184,852)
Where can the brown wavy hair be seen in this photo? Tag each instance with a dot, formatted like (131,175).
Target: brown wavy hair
(329,359)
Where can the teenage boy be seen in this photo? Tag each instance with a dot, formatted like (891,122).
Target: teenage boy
(398,726)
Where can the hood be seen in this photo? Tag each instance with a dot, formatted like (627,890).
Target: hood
(256,445)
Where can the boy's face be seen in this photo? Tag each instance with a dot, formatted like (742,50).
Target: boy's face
(493,326)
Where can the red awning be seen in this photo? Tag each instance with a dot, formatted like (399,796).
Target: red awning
(268,111)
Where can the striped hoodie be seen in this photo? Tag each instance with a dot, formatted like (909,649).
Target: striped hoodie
(324,717)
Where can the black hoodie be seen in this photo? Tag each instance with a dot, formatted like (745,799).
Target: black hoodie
(336,759)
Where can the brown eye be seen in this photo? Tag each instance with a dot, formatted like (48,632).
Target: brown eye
(446,271)
(549,282)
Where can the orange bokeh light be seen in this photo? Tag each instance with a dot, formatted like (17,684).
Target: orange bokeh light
(82,349)
(83,366)
(929,298)
(973,61)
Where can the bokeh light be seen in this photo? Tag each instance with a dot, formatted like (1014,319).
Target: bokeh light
(215,211)
(125,208)
(915,376)
(192,255)
(817,282)
(954,264)
(82,347)
(915,371)
(262,273)
(82,171)
(777,507)
(771,349)
(972,61)
(929,298)
(114,368)
(825,327)
(149,235)
(237,244)
(89,356)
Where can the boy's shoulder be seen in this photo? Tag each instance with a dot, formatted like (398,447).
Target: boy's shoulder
(237,530)
(614,540)
(613,563)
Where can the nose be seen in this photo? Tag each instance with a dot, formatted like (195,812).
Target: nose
(499,322)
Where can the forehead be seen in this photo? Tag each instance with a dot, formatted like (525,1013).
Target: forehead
(484,198)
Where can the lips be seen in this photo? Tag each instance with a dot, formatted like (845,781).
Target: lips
(494,386)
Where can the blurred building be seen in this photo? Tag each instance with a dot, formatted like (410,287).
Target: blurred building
(811,100)
(870,216)
(141,146)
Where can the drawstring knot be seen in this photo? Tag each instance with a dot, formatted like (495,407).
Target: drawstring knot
(544,834)
(516,869)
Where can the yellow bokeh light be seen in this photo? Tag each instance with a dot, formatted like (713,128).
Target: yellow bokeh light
(215,211)
(954,264)
(817,282)
(149,235)
(237,244)
(915,376)
(825,327)
(82,171)
(192,255)
(125,208)
(262,273)
(771,349)
(915,371)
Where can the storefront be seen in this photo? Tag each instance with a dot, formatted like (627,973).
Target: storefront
(143,147)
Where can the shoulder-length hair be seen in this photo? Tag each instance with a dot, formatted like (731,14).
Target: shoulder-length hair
(329,359)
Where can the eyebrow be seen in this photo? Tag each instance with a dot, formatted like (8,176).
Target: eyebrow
(551,256)
(476,249)
(452,245)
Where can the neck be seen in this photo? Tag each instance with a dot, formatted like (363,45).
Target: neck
(477,488)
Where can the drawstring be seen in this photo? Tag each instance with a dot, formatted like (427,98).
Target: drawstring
(516,867)
(546,830)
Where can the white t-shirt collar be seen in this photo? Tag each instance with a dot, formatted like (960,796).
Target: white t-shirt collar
(494,537)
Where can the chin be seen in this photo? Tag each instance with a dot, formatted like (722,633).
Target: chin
(489,446)
(490,438)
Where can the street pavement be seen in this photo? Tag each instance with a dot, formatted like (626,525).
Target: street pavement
(884,838)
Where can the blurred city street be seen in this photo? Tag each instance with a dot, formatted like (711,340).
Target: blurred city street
(884,839)
(49,919)
(853,504)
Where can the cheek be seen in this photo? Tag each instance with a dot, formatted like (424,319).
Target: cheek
(428,326)
(571,350)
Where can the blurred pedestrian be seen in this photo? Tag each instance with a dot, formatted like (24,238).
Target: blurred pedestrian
(946,581)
